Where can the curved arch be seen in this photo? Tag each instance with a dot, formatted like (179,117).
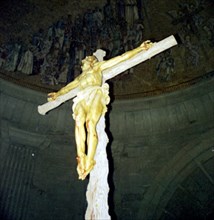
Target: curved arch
(179,167)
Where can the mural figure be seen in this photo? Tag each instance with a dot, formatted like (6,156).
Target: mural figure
(139,28)
(208,29)
(49,70)
(188,16)
(26,64)
(59,34)
(3,55)
(131,12)
(13,57)
(37,39)
(64,69)
(120,9)
(191,52)
(108,12)
(165,67)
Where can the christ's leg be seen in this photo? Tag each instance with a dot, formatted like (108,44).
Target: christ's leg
(92,118)
(80,137)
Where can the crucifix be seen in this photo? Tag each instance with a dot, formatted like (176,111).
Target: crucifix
(91,97)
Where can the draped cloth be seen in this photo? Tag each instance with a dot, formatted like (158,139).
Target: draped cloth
(88,94)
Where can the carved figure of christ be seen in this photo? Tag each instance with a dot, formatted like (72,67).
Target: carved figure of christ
(91,93)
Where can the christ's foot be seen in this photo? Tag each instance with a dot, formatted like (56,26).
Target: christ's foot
(89,166)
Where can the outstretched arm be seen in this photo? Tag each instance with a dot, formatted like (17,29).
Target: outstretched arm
(127,55)
(141,55)
(71,86)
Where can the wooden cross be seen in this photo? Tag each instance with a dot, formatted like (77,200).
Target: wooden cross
(97,191)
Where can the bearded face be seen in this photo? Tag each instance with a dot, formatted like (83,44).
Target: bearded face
(88,62)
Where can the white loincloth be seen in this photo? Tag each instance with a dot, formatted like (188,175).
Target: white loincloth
(89,93)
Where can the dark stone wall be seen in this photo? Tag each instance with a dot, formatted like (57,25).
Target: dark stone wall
(160,152)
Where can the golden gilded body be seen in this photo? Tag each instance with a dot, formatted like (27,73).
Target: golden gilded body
(90,104)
